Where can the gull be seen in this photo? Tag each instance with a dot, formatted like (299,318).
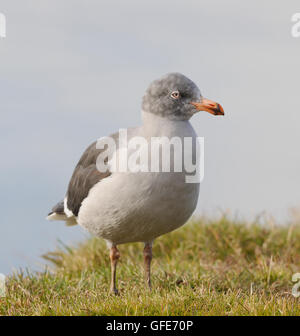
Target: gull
(138,206)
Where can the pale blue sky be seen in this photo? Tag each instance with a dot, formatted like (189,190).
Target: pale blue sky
(73,71)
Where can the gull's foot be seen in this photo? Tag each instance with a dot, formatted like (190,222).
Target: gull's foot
(114,291)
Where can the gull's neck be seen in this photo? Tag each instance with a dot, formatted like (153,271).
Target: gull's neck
(158,126)
(149,119)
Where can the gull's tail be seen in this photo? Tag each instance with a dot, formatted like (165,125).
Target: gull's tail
(58,214)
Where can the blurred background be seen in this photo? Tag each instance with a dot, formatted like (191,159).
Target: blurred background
(72,71)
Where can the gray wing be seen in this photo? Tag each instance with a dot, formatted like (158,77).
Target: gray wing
(85,176)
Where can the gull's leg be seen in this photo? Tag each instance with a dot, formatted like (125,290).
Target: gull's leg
(114,257)
(147,262)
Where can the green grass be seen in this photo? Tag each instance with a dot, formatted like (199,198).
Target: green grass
(207,267)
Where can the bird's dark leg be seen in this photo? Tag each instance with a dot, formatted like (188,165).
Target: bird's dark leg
(147,262)
(114,257)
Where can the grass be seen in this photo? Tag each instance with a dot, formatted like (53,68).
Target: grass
(208,267)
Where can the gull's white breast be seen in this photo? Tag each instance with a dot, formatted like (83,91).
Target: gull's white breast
(129,207)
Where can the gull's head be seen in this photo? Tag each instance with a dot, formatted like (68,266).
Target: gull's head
(176,97)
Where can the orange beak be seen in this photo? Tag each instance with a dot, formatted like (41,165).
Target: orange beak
(209,106)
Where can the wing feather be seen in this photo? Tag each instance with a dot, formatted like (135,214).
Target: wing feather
(85,176)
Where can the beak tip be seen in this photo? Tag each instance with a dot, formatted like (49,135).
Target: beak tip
(220,110)
(209,106)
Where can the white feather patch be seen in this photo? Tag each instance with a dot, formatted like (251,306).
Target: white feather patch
(68,212)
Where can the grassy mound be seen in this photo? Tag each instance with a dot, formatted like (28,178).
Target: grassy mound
(205,268)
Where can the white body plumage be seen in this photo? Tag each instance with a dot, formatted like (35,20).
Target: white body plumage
(130,207)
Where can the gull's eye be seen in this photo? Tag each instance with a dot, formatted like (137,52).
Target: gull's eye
(175,94)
